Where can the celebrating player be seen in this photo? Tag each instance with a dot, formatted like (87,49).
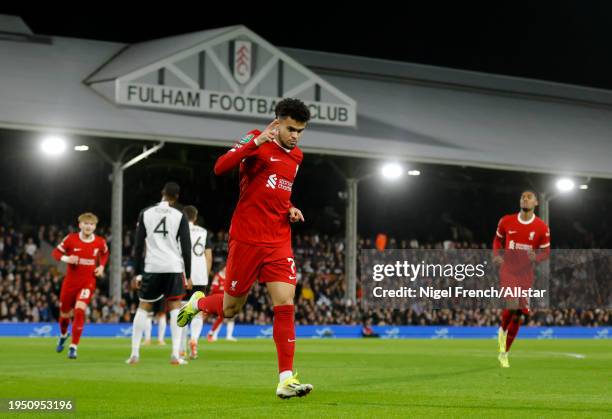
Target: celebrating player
(260,233)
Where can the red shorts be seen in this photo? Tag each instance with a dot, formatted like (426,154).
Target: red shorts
(511,279)
(70,295)
(524,281)
(247,263)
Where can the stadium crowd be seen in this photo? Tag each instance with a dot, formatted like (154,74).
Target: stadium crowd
(30,284)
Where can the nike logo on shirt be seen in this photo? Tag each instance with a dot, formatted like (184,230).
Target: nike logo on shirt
(273,159)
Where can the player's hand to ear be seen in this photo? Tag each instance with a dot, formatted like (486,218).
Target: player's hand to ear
(295,215)
(269,134)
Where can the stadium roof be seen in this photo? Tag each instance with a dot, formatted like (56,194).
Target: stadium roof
(405,111)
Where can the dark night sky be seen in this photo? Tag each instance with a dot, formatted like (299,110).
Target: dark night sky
(563,41)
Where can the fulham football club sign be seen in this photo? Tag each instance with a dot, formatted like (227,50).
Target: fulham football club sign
(229,71)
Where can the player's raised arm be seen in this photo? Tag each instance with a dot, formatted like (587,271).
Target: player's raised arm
(246,147)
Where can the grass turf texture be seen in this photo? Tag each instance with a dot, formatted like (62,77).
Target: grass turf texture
(351,378)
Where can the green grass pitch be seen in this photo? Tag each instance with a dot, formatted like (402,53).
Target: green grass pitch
(351,378)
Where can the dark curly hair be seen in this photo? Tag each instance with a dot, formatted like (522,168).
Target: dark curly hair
(293,108)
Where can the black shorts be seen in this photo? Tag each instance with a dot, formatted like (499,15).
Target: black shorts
(160,306)
(155,286)
(193,289)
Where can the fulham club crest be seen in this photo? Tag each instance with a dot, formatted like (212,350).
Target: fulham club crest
(243,61)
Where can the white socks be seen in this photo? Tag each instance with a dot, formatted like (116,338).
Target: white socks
(175,331)
(147,333)
(138,328)
(230,329)
(196,327)
(161,331)
(184,333)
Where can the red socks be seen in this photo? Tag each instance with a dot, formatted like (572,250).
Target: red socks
(63,324)
(216,324)
(213,304)
(77,325)
(284,336)
(513,329)
(505,319)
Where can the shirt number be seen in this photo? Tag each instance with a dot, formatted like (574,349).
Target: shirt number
(161,227)
(292,262)
(198,245)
